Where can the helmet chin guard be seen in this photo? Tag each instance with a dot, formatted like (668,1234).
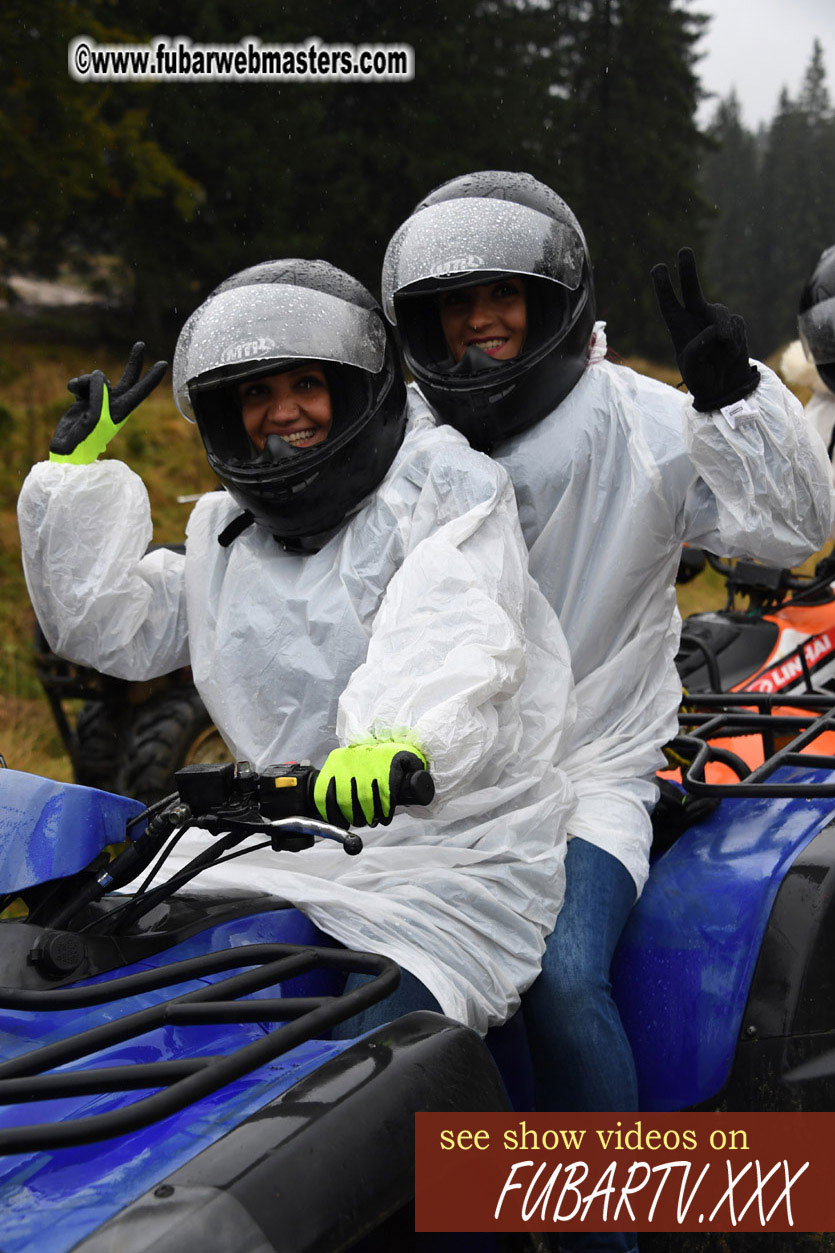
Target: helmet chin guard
(475,230)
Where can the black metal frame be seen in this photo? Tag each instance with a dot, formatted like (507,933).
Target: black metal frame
(724,716)
(188,1080)
(768,586)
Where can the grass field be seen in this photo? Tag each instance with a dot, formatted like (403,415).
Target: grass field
(168,455)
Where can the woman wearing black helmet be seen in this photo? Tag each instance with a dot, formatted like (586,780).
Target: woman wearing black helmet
(612,472)
(487,227)
(358,595)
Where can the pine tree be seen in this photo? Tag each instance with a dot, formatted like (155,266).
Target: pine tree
(730,185)
(634,153)
(331,169)
(773,196)
(596,97)
(798,187)
(75,158)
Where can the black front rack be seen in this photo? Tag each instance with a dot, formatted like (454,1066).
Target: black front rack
(180,1082)
(786,725)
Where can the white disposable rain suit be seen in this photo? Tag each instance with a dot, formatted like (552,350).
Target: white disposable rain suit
(608,486)
(412,619)
(819,412)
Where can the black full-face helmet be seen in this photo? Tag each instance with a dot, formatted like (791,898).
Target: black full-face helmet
(816,320)
(275,317)
(473,230)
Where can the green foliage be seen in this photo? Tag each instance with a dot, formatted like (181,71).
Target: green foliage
(55,409)
(134,441)
(330,169)
(75,158)
(187,182)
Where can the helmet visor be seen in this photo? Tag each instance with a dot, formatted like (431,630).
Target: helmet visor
(472,236)
(817,331)
(243,329)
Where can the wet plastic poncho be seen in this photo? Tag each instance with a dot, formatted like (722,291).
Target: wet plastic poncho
(411,622)
(819,412)
(608,487)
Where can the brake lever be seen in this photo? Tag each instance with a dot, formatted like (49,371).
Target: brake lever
(286,834)
(307,828)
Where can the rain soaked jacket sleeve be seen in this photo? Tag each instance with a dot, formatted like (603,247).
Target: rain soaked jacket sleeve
(448,642)
(100,600)
(764,484)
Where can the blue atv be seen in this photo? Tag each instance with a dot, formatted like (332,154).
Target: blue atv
(724,976)
(168,1077)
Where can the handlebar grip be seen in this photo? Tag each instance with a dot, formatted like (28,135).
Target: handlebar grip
(416,789)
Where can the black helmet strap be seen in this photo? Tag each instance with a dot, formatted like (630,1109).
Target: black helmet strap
(235,528)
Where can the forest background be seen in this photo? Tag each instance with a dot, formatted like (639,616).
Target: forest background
(147,194)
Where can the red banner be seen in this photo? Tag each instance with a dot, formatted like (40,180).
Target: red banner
(748,1172)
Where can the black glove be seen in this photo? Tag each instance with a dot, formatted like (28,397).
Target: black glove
(88,426)
(710,343)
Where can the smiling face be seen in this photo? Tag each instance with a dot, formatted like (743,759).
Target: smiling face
(296,405)
(490,316)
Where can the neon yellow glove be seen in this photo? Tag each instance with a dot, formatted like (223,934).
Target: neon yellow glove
(359,786)
(89,425)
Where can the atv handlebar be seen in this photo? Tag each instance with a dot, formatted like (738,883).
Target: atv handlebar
(234,801)
(767,585)
(282,791)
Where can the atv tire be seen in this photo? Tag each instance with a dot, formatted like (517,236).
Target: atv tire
(172,730)
(98,747)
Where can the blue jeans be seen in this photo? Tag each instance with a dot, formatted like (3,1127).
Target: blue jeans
(581,1057)
(408,996)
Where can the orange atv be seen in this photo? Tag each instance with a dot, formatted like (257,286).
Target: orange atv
(780,647)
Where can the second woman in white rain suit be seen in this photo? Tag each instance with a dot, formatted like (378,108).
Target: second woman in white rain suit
(489,282)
